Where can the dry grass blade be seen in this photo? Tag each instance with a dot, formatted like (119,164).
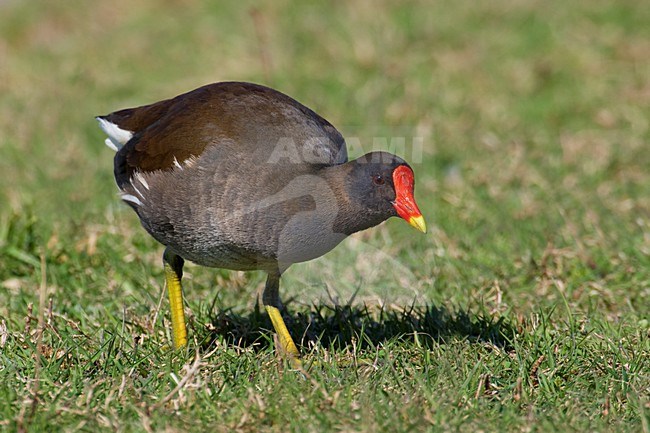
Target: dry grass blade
(191,371)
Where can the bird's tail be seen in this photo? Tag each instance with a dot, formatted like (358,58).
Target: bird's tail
(117,137)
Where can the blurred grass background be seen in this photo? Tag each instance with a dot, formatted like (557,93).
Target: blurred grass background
(534,279)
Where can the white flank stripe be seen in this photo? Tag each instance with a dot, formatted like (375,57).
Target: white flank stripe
(132,199)
(140,178)
(189,162)
(138,191)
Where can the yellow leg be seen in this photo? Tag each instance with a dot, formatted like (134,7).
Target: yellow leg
(173,275)
(271,299)
(288,346)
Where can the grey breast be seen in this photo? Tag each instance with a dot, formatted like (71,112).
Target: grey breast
(239,214)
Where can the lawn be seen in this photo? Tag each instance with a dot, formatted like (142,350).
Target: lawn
(525,308)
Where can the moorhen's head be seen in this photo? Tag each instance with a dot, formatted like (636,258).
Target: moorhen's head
(382,185)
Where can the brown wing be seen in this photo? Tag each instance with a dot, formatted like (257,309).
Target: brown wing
(239,117)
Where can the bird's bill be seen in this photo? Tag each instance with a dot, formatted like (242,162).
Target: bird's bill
(419,223)
(404,202)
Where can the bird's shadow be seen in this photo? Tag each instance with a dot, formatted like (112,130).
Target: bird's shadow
(340,326)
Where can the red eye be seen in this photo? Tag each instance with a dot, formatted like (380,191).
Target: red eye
(378,179)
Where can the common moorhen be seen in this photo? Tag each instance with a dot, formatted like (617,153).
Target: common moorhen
(240,176)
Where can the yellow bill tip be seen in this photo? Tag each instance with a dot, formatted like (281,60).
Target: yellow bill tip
(418,223)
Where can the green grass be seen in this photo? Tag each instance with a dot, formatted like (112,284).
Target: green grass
(526,307)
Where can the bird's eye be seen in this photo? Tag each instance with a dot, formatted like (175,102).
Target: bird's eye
(378,179)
